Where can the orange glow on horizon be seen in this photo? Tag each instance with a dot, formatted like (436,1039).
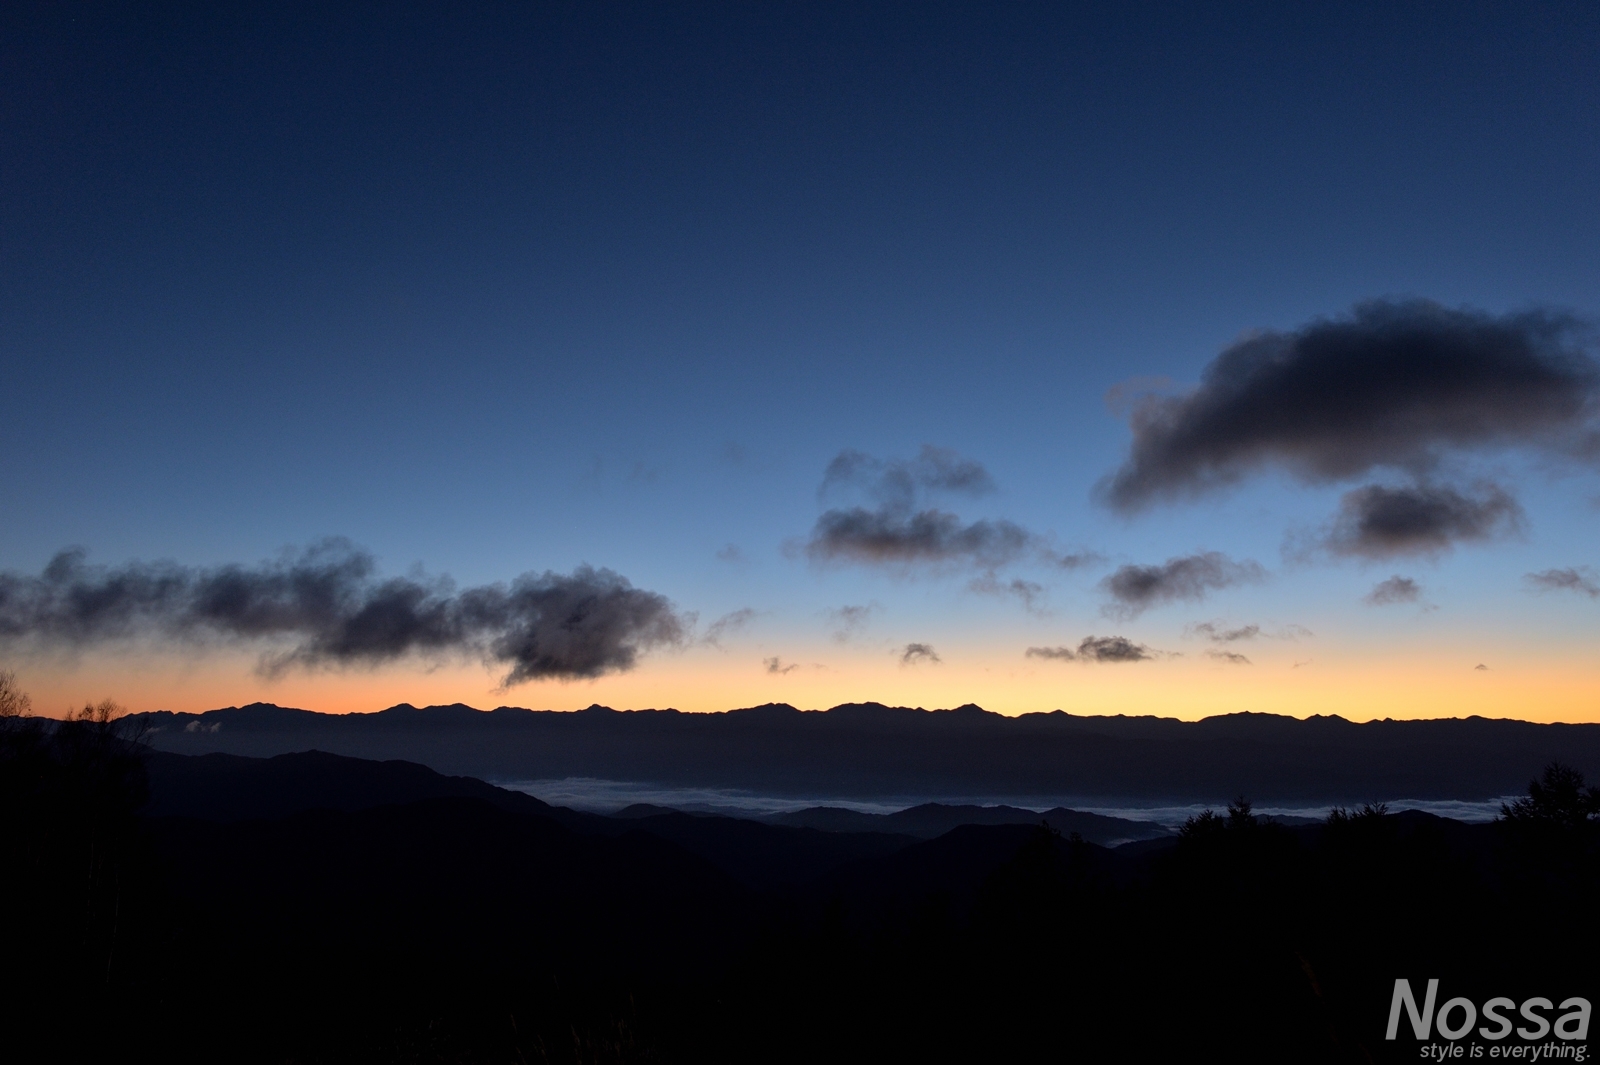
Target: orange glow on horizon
(1359,687)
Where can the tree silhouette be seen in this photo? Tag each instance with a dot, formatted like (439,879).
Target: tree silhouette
(14,702)
(1558,800)
(70,791)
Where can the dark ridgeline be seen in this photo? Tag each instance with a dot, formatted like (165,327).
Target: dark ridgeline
(313,907)
(868,749)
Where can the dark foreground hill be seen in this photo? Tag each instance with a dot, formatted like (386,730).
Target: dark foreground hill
(225,787)
(317,908)
(230,788)
(873,750)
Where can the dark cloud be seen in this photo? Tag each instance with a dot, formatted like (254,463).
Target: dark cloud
(327,606)
(1233,658)
(928,536)
(1481,666)
(1073,559)
(730,553)
(898,482)
(1136,589)
(775,665)
(727,623)
(902,527)
(1097,649)
(1580,579)
(1030,593)
(848,621)
(1216,633)
(914,653)
(1420,519)
(1113,649)
(1393,384)
(1395,590)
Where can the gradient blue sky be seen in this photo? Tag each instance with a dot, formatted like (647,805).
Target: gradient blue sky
(529,286)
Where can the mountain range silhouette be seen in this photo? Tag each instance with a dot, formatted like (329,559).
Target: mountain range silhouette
(314,906)
(867,749)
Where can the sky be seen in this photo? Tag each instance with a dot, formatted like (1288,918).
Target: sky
(1147,359)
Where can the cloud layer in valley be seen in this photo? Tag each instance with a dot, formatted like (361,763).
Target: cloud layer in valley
(327,606)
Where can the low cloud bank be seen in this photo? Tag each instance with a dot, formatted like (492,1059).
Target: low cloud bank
(327,606)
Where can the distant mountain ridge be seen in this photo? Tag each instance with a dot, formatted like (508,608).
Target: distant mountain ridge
(868,749)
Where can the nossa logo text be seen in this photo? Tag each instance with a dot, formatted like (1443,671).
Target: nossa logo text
(1456,1018)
